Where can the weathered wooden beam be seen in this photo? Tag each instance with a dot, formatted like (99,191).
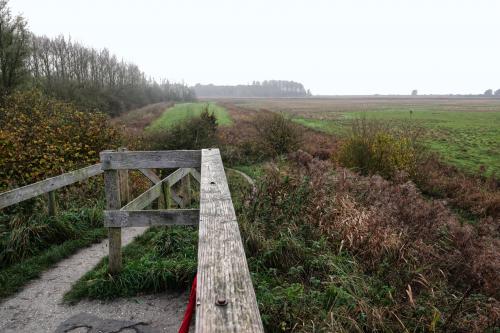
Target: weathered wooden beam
(150,159)
(196,175)
(176,198)
(176,176)
(186,190)
(30,191)
(145,199)
(113,201)
(124,183)
(146,218)
(156,190)
(52,203)
(225,295)
(151,175)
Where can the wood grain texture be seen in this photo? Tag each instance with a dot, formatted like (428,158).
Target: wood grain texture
(147,218)
(222,266)
(124,183)
(52,208)
(30,191)
(196,175)
(151,175)
(178,200)
(150,159)
(113,201)
(186,190)
(155,191)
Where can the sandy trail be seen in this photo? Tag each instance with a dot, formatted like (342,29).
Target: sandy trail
(38,308)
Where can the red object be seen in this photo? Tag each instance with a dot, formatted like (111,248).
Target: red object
(190,309)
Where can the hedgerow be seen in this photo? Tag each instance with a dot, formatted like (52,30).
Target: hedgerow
(42,137)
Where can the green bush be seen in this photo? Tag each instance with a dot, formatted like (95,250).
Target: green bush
(376,149)
(277,134)
(193,133)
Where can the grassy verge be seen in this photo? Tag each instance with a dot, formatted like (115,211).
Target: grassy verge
(180,112)
(16,276)
(254,171)
(160,259)
(31,245)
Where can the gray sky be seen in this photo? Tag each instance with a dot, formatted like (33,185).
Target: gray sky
(332,47)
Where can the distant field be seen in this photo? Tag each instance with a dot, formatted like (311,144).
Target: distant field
(465,131)
(184,111)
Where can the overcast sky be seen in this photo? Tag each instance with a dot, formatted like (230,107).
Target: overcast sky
(332,47)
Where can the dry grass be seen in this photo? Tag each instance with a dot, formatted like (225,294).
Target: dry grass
(434,268)
(134,122)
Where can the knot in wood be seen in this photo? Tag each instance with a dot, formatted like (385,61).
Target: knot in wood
(221,301)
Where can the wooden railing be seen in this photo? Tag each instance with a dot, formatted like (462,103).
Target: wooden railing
(225,296)
(48,186)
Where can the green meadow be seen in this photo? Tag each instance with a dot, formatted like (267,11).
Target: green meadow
(182,111)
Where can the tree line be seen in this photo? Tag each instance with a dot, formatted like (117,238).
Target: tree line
(94,79)
(489,92)
(272,88)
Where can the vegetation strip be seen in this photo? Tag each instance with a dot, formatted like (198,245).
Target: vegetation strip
(181,112)
(16,276)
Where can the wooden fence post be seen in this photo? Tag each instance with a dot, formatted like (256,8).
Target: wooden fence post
(113,202)
(52,203)
(124,183)
(166,194)
(186,186)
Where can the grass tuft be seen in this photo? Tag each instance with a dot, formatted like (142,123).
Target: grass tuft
(160,259)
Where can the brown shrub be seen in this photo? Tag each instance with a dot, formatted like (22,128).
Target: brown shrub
(277,134)
(478,196)
(384,221)
(436,270)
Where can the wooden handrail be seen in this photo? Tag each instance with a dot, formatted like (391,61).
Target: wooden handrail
(113,160)
(225,296)
(30,191)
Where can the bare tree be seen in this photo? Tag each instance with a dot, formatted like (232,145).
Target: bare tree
(14,49)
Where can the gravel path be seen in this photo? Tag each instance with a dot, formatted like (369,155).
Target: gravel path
(38,308)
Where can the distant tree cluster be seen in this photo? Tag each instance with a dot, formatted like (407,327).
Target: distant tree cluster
(489,92)
(93,79)
(272,88)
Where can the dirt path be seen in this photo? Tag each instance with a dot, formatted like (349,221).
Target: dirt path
(38,308)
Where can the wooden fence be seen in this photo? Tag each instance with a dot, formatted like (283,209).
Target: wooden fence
(225,296)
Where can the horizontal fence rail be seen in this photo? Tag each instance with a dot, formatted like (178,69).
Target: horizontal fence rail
(147,218)
(30,191)
(113,160)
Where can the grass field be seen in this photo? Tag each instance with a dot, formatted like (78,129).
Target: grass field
(465,131)
(183,111)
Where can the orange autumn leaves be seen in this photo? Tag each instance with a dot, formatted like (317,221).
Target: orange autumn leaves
(42,137)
